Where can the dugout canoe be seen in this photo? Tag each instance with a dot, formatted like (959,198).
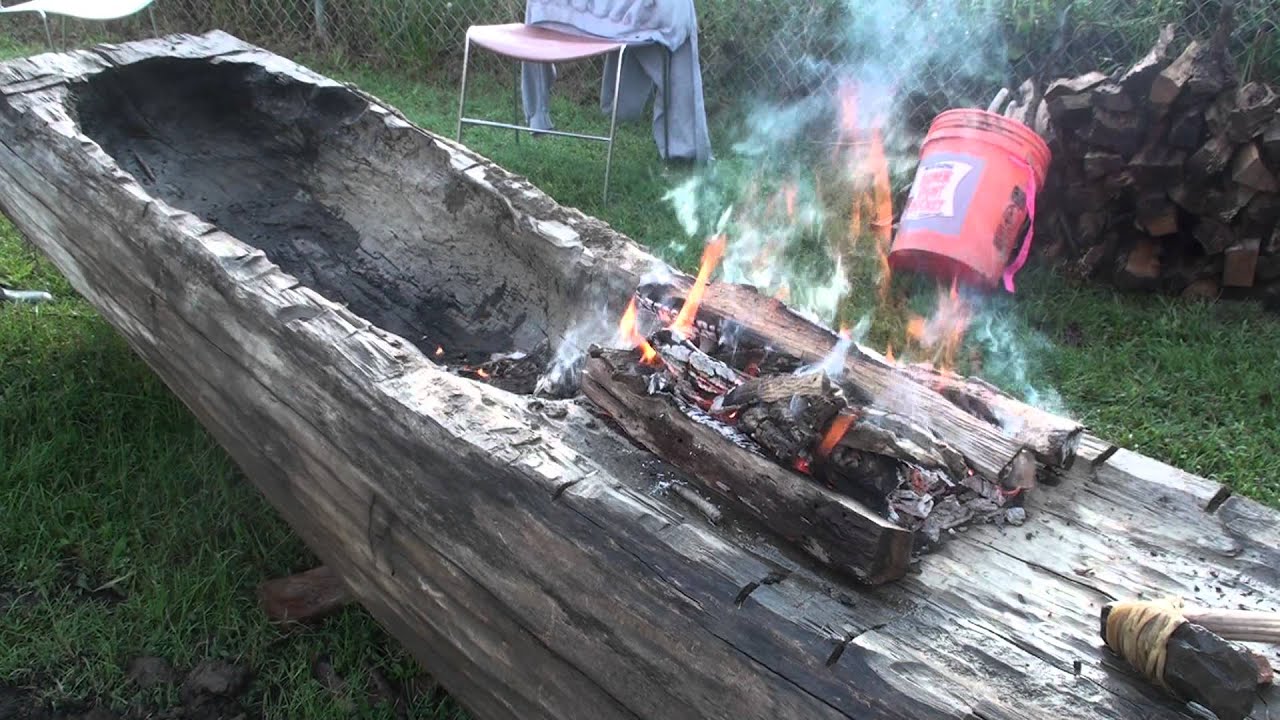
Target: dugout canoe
(285,251)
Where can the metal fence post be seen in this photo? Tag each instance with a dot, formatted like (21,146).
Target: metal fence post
(321,24)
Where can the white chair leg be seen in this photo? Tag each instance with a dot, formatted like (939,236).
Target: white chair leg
(462,92)
(613,124)
(48,36)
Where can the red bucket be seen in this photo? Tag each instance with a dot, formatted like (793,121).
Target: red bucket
(974,189)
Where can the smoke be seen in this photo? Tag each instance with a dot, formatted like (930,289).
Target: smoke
(785,238)
(1010,357)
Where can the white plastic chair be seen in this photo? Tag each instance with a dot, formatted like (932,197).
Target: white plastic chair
(83,9)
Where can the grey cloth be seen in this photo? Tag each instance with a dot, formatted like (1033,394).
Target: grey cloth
(656,27)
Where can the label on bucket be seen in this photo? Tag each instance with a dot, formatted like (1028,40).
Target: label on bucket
(943,188)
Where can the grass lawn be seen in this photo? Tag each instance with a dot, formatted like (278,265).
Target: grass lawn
(127,532)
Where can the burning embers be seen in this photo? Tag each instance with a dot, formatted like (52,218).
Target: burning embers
(808,418)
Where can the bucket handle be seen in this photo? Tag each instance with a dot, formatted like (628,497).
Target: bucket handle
(1013,267)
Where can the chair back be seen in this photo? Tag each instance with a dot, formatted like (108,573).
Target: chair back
(83,9)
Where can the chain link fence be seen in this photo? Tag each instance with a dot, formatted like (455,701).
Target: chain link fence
(959,50)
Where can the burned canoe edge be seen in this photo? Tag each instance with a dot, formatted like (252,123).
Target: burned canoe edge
(530,574)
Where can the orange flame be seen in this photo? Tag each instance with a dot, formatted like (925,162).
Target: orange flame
(944,332)
(711,255)
(882,201)
(871,208)
(627,330)
(439,351)
(888,352)
(839,426)
(482,373)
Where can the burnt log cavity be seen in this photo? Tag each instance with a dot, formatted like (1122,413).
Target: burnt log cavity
(378,222)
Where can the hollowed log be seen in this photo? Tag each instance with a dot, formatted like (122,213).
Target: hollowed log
(287,253)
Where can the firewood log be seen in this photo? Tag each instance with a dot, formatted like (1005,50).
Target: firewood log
(1247,168)
(1157,214)
(836,530)
(308,595)
(1139,268)
(1271,141)
(1136,81)
(1253,106)
(1241,263)
(1186,129)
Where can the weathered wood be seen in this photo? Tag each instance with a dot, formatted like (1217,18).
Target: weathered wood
(524,552)
(1240,263)
(1254,105)
(308,595)
(1271,141)
(1054,439)
(760,320)
(1213,236)
(1073,86)
(1247,168)
(1201,666)
(1141,265)
(1211,158)
(1068,111)
(1119,132)
(1099,163)
(1136,81)
(1186,129)
(835,530)
(1157,215)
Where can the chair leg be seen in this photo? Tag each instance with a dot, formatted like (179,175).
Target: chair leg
(613,124)
(666,106)
(462,92)
(151,10)
(48,36)
(515,97)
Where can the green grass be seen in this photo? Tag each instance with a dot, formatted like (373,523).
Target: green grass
(107,480)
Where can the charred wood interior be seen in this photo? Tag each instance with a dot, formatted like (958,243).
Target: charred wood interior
(277,164)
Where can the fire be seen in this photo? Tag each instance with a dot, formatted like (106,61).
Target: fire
(871,209)
(839,426)
(439,351)
(882,220)
(711,254)
(888,353)
(627,331)
(482,373)
(942,333)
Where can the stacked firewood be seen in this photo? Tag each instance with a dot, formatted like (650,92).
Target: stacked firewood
(1165,174)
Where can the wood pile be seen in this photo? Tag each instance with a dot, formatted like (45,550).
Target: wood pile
(1166,174)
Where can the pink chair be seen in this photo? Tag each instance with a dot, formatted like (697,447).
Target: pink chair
(534,43)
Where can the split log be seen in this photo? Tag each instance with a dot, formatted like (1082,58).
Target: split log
(1254,105)
(1140,267)
(1241,263)
(1074,86)
(1186,129)
(758,321)
(1157,215)
(1248,169)
(1271,141)
(834,529)
(1119,132)
(527,554)
(309,595)
(1136,81)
